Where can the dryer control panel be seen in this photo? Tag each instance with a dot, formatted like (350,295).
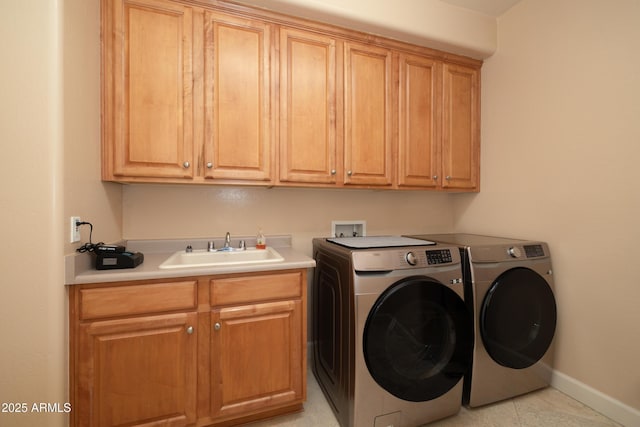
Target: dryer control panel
(530,251)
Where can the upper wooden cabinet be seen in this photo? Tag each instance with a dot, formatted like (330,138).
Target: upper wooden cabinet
(186,94)
(308,150)
(336,111)
(439,125)
(368,131)
(147,96)
(461,127)
(418,144)
(237,83)
(223,93)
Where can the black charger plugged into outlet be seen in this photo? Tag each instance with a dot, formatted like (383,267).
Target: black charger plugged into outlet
(110,257)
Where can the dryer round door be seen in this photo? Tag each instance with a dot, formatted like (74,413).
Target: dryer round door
(518,318)
(417,339)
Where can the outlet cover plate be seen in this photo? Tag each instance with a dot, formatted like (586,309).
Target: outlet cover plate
(75,229)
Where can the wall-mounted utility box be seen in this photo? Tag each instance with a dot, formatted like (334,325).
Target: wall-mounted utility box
(348,228)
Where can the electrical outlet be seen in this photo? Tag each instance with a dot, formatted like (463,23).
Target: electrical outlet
(75,229)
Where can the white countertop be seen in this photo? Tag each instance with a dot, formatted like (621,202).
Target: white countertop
(79,267)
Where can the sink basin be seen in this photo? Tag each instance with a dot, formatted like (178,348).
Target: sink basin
(203,258)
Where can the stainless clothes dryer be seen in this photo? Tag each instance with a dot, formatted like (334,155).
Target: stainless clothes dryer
(392,334)
(509,284)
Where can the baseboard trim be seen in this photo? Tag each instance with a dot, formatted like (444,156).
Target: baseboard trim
(606,405)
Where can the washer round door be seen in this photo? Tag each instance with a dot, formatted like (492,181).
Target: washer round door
(417,340)
(518,318)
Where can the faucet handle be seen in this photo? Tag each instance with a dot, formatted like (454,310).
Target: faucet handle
(211,246)
(243,245)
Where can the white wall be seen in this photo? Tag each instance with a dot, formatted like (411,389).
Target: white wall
(432,23)
(85,195)
(560,146)
(182,211)
(33,364)
(50,129)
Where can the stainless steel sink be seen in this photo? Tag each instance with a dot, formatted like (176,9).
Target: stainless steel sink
(203,258)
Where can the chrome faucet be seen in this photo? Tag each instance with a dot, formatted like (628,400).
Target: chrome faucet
(227,245)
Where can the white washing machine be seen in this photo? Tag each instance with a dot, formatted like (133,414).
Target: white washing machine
(509,286)
(392,334)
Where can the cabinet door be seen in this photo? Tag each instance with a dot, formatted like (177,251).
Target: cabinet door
(238,119)
(418,153)
(148,103)
(461,127)
(307,107)
(368,155)
(257,357)
(137,371)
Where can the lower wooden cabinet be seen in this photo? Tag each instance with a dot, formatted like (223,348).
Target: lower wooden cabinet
(214,350)
(258,356)
(256,363)
(139,370)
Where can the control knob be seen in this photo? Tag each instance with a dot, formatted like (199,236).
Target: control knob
(411,258)
(514,252)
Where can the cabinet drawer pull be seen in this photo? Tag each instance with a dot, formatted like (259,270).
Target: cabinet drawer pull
(217,326)
(190,330)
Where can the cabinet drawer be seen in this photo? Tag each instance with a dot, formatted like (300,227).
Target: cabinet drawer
(137,299)
(239,290)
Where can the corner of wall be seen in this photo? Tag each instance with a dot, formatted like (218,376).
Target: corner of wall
(606,405)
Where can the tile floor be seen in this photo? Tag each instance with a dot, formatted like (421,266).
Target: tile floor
(543,408)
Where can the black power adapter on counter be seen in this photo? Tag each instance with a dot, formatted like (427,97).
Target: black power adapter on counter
(111,257)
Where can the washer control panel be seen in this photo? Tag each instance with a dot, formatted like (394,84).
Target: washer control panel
(411,258)
(433,257)
(439,256)
(404,258)
(514,252)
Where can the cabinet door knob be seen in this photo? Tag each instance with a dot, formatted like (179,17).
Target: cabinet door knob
(448,178)
(349,173)
(435,177)
(186,165)
(209,165)
(333,171)
(190,330)
(217,326)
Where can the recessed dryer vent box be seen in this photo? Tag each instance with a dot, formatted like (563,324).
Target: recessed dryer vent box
(348,228)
